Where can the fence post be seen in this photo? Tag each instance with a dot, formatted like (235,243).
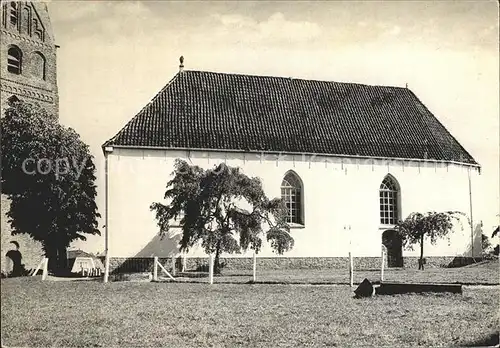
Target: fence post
(382,266)
(210,269)
(155,269)
(35,272)
(184,261)
(45,268)
(173,266)
(106,268)
(254,266)
(351,270)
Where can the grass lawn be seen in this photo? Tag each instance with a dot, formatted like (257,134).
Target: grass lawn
(93,314)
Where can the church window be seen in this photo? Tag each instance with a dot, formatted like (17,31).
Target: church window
(14,16)
(39,65)
(12,100)
(291,194)
(389,201)
(37,30)
(14,60)
(26,27)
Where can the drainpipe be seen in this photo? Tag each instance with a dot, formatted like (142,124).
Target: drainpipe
(471,218)
(107,150)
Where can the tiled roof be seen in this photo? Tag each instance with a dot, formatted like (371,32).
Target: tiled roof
(207,110)
(72,254)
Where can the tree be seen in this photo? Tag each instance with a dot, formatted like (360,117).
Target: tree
(485,243)
(223,209)
(496,249)
(48,174)
(416,227)
(495,232)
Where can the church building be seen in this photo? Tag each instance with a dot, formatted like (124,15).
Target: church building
(28,72)
(349,160)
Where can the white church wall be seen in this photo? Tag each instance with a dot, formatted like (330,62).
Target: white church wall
(338,192)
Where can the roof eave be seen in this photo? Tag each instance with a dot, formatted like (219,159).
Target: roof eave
(162,148)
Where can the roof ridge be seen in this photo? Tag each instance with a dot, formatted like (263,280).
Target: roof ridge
(292,78)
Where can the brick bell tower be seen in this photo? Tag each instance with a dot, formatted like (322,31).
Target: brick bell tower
(28,55)
(28,72)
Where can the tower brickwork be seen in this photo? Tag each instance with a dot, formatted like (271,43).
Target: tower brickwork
(28,72)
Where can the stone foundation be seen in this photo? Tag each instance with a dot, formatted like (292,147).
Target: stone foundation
(145,264)
(441,261)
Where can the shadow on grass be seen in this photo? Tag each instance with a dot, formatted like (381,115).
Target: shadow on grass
(195,274)
(489,341)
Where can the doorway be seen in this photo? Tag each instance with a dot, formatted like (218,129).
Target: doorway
(13,258)
(394,245)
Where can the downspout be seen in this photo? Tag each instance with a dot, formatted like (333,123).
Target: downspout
(471,217)
(106,240)
(107,150)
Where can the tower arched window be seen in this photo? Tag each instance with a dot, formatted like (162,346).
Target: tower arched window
(26,20)
(39,65)
(12,100)
(292,194)
(37,29)
(389,201)
(13,13)
(14,60)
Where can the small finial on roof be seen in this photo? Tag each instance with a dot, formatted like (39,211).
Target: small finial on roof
(181,66)
(406,85)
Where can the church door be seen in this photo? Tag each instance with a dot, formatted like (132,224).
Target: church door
(393,243)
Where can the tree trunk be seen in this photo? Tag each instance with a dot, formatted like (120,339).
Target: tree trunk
(217,268)
(51,254)
(57,258)
(62,259)
(421,260)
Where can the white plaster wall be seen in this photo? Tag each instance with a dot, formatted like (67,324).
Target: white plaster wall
(337,192)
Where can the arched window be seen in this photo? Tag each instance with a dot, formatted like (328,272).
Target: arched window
(14,60)
(39,65)
(12,100)
(291,194)
(37,30)
(14,15)
(389,201)
(26,20)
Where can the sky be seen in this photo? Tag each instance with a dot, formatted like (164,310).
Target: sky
(115,56)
